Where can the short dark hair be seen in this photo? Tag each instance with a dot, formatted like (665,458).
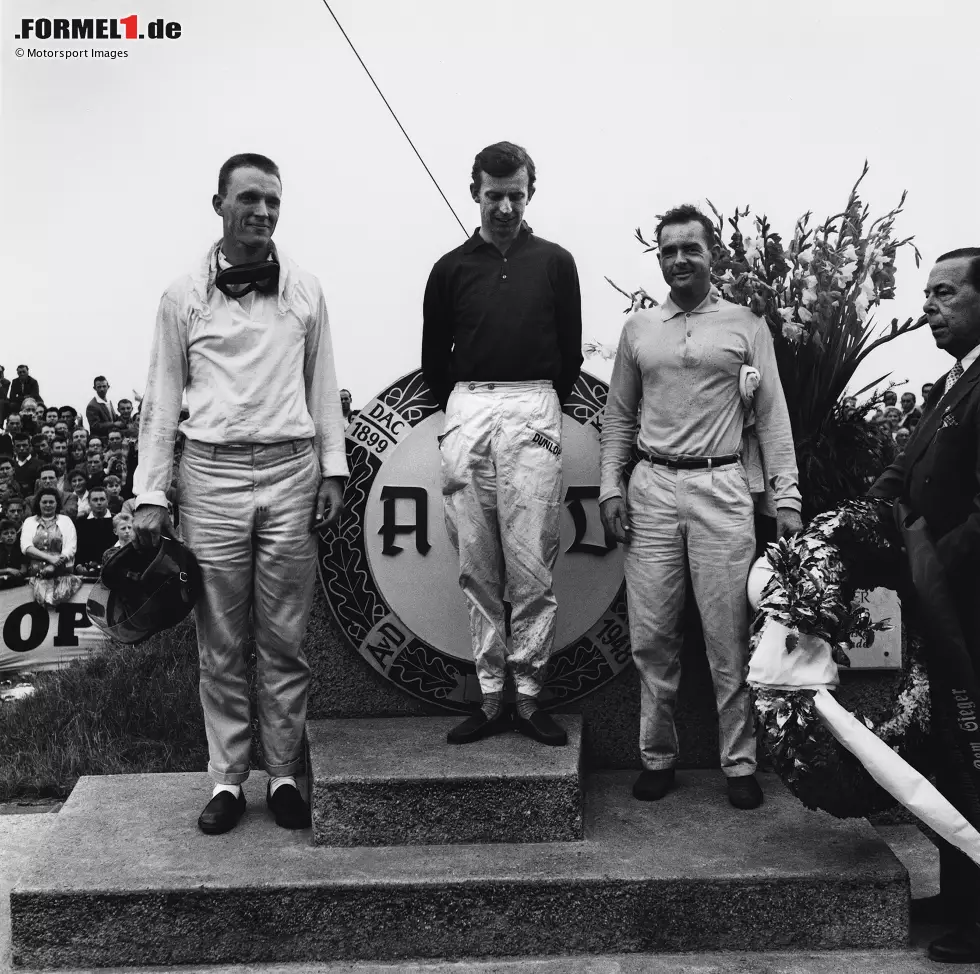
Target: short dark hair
(95,488)
(46,467)
(22,366)
(502,159)
(242,161)
(119,402)
(6,458)
(973,253)
(66,409)
(686,213)
(78,472)
(18,437)
(7,525)
(99,378)
(115,478)
(44,492)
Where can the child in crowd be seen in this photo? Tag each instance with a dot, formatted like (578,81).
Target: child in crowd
(15,511)
(122,527)
(11,557)
(113,489)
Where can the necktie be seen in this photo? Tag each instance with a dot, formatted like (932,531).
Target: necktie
(954,373)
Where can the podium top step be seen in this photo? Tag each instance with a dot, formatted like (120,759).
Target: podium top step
(415,749)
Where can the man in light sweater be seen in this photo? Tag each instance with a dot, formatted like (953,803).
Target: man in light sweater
(688,506)
(245,336)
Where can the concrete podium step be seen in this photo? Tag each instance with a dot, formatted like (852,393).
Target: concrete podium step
(125,878)
(397,782)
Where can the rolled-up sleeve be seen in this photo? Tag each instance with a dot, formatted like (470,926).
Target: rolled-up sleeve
(772,425)
(160,409)
(620,418)
(323,395)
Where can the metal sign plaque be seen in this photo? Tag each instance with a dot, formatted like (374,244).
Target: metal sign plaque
(390,572)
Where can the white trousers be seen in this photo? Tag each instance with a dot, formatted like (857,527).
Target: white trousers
(697,520)
(501,485)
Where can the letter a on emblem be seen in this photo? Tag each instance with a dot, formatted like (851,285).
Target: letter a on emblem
(390,528)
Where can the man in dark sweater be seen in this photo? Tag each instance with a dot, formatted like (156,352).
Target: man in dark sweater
(26,465)
(501,349)
(21,388)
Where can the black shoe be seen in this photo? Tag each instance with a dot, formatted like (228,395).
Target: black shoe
(651,786)
(222,813)
(542,727)
(959,946)
(287,805)
(478,726)
(744,792)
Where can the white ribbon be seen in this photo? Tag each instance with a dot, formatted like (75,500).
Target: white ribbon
(897,776)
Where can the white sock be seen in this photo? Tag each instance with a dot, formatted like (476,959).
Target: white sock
(234,790)
(285,780)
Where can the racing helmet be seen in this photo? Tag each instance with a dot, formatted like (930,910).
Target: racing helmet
(142,592)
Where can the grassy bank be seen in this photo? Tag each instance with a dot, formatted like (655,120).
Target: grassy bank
(124,710)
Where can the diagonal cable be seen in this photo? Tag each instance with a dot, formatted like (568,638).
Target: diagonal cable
(395,117)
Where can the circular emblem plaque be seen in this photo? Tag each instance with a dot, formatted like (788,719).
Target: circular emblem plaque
(390,572)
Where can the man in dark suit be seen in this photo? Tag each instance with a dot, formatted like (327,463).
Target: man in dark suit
(100,413)
(21,388)
(936,481)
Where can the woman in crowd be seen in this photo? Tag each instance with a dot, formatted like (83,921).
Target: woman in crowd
(76,503)
(893,416)
(49,541)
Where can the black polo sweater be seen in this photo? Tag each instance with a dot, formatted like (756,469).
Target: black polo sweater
(492,317)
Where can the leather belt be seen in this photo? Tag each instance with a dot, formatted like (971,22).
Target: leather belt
(690,463)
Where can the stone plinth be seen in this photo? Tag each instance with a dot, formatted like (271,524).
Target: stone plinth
(126,878)
(395,781)
(345,686)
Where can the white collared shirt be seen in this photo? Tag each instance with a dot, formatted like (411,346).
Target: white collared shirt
(254,371)
(970,357)
(681,370)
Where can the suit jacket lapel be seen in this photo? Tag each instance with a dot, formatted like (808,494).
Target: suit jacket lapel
(966,382)
(929,424)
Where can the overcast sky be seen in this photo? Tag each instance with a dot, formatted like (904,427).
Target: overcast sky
(628,108)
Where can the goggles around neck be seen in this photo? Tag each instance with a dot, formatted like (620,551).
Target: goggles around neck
(239,279)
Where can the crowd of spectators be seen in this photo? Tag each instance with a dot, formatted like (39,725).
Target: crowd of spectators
(897,417)
(66,485)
